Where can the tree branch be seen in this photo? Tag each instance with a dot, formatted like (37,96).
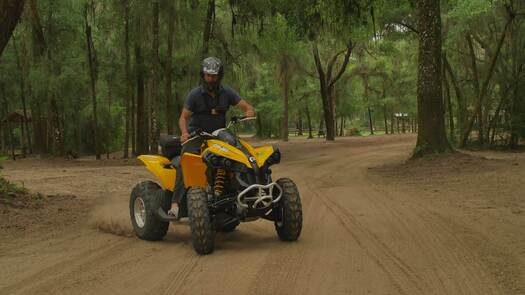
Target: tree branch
(318,65)
(349,49)
(406,26)
(331,63)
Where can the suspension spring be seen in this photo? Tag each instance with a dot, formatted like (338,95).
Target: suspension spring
(219,181)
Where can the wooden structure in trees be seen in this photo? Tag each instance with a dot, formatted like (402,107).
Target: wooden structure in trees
(7,136)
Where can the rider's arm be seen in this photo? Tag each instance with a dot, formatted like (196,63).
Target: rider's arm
(246,108)
(183,122)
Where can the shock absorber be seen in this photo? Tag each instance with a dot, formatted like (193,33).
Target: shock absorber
(219,181)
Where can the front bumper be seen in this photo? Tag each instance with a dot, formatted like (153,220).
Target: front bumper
(265,196)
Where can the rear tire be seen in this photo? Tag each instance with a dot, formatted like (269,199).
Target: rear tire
(202,230)
(146,197)
(289,215)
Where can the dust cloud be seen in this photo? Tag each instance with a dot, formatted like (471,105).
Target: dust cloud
(112,217)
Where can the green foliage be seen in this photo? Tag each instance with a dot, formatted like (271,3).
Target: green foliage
(9,190)
(261,42)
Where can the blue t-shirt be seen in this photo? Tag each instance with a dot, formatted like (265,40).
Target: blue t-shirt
(209,113)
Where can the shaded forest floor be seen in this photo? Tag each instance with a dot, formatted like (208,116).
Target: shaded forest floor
(373,223)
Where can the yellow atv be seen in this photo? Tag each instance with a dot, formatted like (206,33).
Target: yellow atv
(228,183)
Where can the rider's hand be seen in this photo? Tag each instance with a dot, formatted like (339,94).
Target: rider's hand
(250,113)
(184,137)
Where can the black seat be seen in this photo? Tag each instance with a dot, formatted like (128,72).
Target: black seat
(170,146)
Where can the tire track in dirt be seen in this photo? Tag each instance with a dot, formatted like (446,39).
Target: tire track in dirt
(425,224)
(177,279)
(401,215)
(440,238)
(284,263)
(358,237)
(375,249)
(46,278)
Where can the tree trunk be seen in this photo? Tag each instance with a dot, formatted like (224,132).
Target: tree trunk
(517,116)
(8,122)
(57,128)
(208,27)
(450,111)
(484,88)
(154,129)
(431,137)
(128,83)
(365,84)
(342,126)
(133,127)
(284,73)
(392,123)
(142,137)
(26,136)
(110,125)
(299,123)
(496,117)
(479,112)
(39,42)
(462,108)
(10,11)
(170,122)
(385,119)
(309,120)
(93,77)
(327,81)
(383,95)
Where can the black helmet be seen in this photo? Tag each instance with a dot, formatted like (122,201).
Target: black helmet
(212,66)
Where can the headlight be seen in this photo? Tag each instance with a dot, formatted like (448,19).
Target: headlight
(213,160)
(275,158)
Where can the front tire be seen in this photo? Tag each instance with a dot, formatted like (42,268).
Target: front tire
(146,197)
(289,215)
(202,230)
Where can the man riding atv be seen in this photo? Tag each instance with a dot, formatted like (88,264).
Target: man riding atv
(205,109)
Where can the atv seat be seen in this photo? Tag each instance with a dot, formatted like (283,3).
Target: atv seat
(170,146)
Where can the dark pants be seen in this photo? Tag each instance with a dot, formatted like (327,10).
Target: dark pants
(179,191)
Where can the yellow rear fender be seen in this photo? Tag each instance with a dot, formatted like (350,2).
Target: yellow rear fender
(157,166)
(223,149)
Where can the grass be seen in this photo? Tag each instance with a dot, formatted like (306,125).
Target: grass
(13,194)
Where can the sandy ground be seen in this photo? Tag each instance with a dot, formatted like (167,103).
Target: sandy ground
(373,224)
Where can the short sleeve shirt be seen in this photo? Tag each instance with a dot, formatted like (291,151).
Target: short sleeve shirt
(209,113)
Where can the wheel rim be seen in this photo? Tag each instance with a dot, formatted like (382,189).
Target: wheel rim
(139,211)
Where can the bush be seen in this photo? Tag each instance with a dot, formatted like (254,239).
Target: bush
(353,132)
(2,159)
(14,195)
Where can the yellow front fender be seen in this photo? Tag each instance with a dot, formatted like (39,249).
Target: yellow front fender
(156,165)
(261,154)
(194,171)
(223,149)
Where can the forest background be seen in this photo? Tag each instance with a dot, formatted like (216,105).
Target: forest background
(97,77)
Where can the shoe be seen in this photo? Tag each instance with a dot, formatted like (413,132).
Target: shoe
(174,211)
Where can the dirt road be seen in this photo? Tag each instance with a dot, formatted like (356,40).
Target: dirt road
(372,225)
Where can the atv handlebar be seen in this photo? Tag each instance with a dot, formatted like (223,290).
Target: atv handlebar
(199,133)
(239,119)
